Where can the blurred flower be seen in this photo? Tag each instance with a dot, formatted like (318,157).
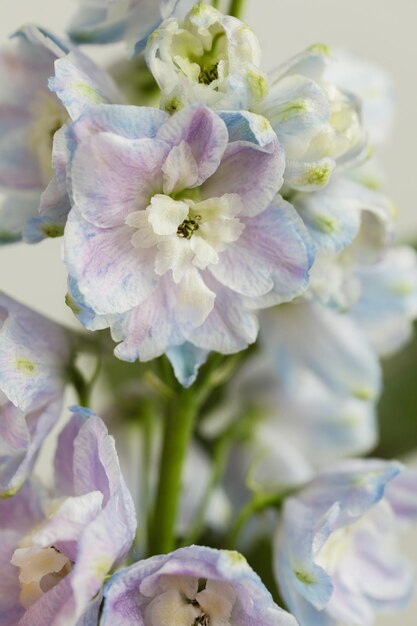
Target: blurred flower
(34,355)
(318,123)
(62,551)
(335,555)
(107,21)
(32,120)
(372,85)
(194,585)
(207,58)
(173,235)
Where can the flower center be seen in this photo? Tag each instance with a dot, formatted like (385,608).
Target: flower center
(187,227)
(189,601)
(40,570)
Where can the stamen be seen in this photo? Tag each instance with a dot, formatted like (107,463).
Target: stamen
(208,74)
(188,226)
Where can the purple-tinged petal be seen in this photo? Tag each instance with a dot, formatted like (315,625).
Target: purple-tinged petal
(272,254)
(111,274)
(253,172)
(204,132)
(230,327)
(112,176)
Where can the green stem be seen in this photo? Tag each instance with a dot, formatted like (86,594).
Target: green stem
(258,504)
(236,8)
(178,430)
(80,385)
(216,3)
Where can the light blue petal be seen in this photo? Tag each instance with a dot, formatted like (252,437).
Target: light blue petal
(186,360)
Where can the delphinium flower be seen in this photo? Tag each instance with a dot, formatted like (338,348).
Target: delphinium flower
(176,226)
(207,58)
(35,354)
(336,558)
(57,550)
(215,59)
(190,586)
(107,21)
(32,120)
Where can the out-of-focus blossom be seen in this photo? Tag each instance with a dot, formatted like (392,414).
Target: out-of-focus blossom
(34,355)
(107,21)
(207,58)
(305,336)
(59,554)
(318,123)
(194,585)
(32,120)
(336,558)
(387,305)
(176,230)
(372,85)
(347,212)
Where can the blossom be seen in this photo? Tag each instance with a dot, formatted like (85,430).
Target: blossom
(387,304)
(175,229)
(34,355)
(318,123)
(32,120)
(308,337)
(132,20)
(207,58)
(328,557)
(61,555)
(194,585)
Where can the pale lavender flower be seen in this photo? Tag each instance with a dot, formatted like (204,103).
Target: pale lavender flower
(194,585)
(57,559)
(336,557)
(176,228)
(34,355)
(32,120)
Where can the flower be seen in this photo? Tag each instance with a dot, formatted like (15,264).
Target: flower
(131,20)
(68,545)
(194,585)
(317,122)
(335,553)
(207,58)
(176,230)
(387,304)
(34,355)
(33,120)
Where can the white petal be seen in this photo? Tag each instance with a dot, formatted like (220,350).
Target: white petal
(180,169)
(195,299)
(166,214)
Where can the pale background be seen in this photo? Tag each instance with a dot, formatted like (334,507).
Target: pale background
(380,30)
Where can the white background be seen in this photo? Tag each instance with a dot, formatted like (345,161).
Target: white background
(380,30)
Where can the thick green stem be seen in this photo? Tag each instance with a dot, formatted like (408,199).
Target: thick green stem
(236,8)
(216,3)
(179,422)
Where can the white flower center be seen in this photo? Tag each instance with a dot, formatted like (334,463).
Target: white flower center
(188,601)
(40,570)
(188,232)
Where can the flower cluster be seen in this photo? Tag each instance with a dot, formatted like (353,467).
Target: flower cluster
(205,206)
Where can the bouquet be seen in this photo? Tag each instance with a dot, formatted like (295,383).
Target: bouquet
(232,265)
